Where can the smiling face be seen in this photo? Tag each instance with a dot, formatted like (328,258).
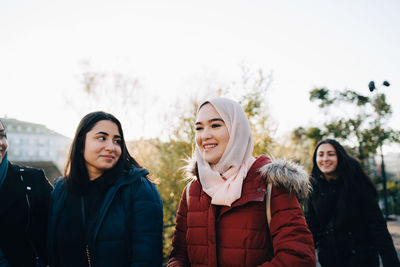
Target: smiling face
(327,160)
(3,142)
(212,135)
(102,148)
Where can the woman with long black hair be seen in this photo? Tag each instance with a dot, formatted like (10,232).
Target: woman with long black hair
(343,214)
(104,211)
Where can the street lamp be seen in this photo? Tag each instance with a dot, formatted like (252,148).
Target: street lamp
(372,87)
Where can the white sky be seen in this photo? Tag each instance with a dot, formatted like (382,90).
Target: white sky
(169,45)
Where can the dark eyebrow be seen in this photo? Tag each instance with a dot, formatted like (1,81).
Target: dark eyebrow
(104,133)
(107,134)
(2,130)
(212,120)
(329,151)
(216,119)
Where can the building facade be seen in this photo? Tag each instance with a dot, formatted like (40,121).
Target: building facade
(30,142)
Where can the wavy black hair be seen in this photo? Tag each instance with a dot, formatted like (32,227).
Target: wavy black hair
(348,168)
(76,174)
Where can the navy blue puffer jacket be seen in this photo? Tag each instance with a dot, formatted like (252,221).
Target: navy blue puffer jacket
(129,229)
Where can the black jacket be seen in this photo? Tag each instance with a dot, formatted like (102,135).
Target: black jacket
(348,225)
(128,230)
(23,215)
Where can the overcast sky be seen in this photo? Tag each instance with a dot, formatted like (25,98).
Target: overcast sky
(173,46)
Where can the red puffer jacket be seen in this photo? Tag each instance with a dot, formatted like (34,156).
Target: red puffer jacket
(207,235)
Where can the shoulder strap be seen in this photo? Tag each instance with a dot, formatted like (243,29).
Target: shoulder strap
(268,203)
(187,192)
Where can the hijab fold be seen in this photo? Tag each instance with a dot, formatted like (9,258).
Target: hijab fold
(223,182)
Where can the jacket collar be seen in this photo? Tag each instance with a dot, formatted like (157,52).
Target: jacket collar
(254,186)
(60,193)
(133,175)
(288,175)
(280,173)
(12,188)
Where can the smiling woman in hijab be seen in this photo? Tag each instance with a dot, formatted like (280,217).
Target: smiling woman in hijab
(222,216)
(24,198)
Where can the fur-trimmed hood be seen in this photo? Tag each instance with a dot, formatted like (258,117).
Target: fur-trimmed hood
(280,173)
(289,175)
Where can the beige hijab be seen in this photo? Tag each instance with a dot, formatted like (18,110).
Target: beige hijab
(223,183)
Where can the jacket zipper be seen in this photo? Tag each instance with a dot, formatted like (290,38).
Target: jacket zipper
(84,226)
(28,220)
(88,256)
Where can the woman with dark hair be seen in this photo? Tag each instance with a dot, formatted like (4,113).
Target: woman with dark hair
(24,203)
(104,211)
(343,213)
(239,210)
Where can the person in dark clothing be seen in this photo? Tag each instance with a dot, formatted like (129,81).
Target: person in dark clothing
(343,214)
(104,211)
(24,202)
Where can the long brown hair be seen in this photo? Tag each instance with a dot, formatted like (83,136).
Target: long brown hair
(75,173)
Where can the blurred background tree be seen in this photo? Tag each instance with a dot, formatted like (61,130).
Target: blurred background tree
(255,86)
(113,91)
(166,161)
(298,145)
(359,122)
(352,120)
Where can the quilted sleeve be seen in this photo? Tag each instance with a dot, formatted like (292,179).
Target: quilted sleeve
(147,225)
(292,240)
(178,257)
